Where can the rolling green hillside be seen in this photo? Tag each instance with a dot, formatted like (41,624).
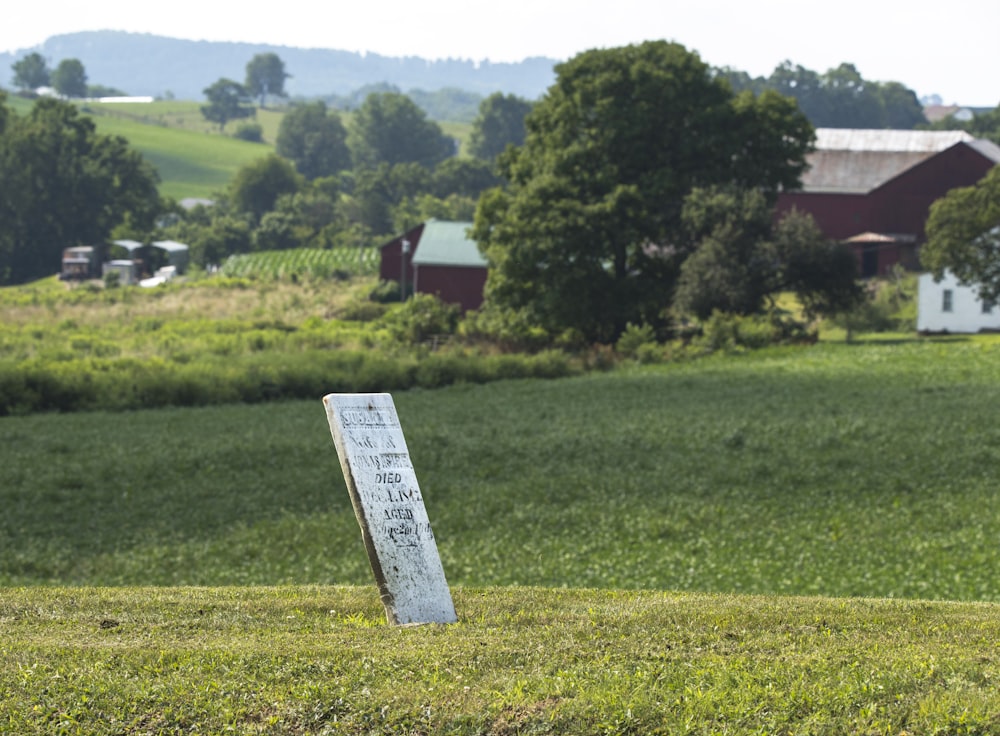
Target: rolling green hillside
(193,160)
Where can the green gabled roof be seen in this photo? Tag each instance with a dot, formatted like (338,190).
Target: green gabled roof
(447,244)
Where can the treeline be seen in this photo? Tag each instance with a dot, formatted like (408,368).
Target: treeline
(329,184)
(837,98)
(982,125)
(69,78)
(332,183)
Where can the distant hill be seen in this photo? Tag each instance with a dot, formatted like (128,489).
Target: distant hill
(145,64)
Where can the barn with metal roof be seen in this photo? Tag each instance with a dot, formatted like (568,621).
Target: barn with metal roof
(873,188)
(437,257)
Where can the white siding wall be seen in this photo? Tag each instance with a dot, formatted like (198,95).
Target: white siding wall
(966,313)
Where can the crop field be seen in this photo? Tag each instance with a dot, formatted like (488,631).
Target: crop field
(302,263)
(835,470)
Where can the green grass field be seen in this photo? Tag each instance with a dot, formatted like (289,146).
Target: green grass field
(742,543)
(835,470)
(317,660)
(716,546)
(192,157)
(191,162)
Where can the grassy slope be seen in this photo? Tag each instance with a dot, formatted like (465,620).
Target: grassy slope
(193,159)
(521,660)
(191,163)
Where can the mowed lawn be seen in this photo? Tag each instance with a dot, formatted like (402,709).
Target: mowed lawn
(832,470)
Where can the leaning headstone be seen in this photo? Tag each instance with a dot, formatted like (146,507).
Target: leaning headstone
(387,501)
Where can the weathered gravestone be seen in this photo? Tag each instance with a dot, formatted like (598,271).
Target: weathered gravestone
(387,501)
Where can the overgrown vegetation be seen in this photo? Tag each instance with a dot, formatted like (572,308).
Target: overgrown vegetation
(292,332)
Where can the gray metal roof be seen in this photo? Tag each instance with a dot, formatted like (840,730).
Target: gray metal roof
(171,246)
(858,161)
(447,244)
(895,141)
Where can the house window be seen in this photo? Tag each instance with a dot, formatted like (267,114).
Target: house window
(988,305)
(946,298)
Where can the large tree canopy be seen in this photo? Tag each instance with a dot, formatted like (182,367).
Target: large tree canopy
(314,139)
(31,72)
(740,261)
(266,76)
(62,185)
(500,123)
(70,78)
(838,98)
(257,186)
(963,236)
(588,236)
(389,128)
(226,101)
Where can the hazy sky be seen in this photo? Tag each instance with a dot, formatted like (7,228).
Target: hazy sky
(949,48)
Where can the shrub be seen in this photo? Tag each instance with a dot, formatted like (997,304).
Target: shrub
(421,317)
(509,331)
(724,331)
(252,132)
(633,338)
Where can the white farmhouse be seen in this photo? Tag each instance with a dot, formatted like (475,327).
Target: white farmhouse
(948,306)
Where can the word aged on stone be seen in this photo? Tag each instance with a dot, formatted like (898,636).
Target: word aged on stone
(387,501)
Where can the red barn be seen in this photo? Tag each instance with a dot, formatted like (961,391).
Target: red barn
(873,188)
(437,258)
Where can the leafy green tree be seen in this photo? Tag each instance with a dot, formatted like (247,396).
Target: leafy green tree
(389,128)
(740,81)
(963,236)
(31,72)
(852,102)
(741,262)
(266,75)
(903,110)
(730,268)
(226,101)
(588,235)
(805,87)
(378,191)
(314,139)
(464,177)
(214,239)
(822,273)
(840,98)
(500,123)
(63,184)
(414,210)
(256,187)
(315,215)
(279,231)
(70,79)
